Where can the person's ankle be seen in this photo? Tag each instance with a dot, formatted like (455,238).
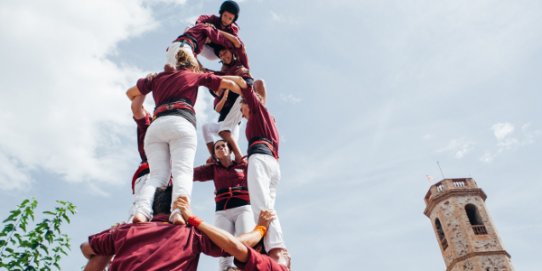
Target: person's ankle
(139,218)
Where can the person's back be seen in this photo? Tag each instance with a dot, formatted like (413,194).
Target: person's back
(156,245)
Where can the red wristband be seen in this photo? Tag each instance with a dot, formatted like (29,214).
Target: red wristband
(194,221)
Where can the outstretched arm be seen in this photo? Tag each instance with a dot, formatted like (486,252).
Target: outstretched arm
(222,239)
(133,92)
(228,83)
(138,110)
(237,79)
(233,39)
(252,238)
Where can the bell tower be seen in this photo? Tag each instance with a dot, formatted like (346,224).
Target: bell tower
(466,235)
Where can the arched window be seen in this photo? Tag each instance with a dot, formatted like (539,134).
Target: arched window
(440,233)
(474,215)
(475,219)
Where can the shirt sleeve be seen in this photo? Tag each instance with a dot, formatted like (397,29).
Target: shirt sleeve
(214,35)
(234,29)
(102,243)
(204,173)
(202,19)
(208,247)
(258,261)
(242,55)
(250,98)
(144,85)
(210,81)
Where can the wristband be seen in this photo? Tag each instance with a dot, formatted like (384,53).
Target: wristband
(261,229)
(194,221)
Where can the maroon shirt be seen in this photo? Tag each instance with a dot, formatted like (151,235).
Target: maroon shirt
(156,245)
(215,20)
(168,87)
(260,123)
(223,177)
(259,262)
(142,125)
(202,32)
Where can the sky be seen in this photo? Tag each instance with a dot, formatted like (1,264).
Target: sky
(368,96)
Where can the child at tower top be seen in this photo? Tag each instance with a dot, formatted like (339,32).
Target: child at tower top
(229,12)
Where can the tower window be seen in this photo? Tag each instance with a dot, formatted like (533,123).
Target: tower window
(440,233)
(475,219)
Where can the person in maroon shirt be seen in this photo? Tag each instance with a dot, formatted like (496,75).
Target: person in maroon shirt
(194,39)
(263,174)
(227,104)
(229,13)
(226,21)
(246,258)
(233,212)
(155,245)
(170,142)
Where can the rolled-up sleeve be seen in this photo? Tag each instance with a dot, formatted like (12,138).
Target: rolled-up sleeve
(102,243)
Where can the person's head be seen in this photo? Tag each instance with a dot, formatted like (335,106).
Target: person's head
(222,149)
(186,60)
(162,201)
(229,12)
(226,55)
(245,110)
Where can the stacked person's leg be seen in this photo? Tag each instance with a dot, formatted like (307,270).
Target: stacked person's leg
(263,177)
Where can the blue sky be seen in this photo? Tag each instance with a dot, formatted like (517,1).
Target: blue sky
(368,95)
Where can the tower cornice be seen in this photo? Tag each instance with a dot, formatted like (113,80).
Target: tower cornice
(436,199)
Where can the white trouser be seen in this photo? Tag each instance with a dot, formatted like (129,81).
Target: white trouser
(230,123)
(208,53)
(170,145)
(172,50)
(210,132)
(236,221)
(263,177)
(139,183)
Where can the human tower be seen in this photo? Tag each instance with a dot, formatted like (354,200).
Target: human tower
(245,186)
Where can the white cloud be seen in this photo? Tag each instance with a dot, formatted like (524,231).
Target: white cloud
(281,18)
(290,98)
(508,140)
(13,177)
(502,130)
(458,147)
(66,111)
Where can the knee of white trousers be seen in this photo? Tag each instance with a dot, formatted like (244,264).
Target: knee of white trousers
(209,130)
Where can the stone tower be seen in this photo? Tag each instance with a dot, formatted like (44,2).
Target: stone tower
(467,237)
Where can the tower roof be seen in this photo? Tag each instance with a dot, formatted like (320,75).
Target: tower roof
(450,187)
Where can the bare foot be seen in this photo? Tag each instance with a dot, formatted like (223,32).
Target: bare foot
(139,218)
(176,218)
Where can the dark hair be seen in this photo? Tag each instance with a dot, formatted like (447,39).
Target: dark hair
(216,48)
(230,6)
(162,201)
